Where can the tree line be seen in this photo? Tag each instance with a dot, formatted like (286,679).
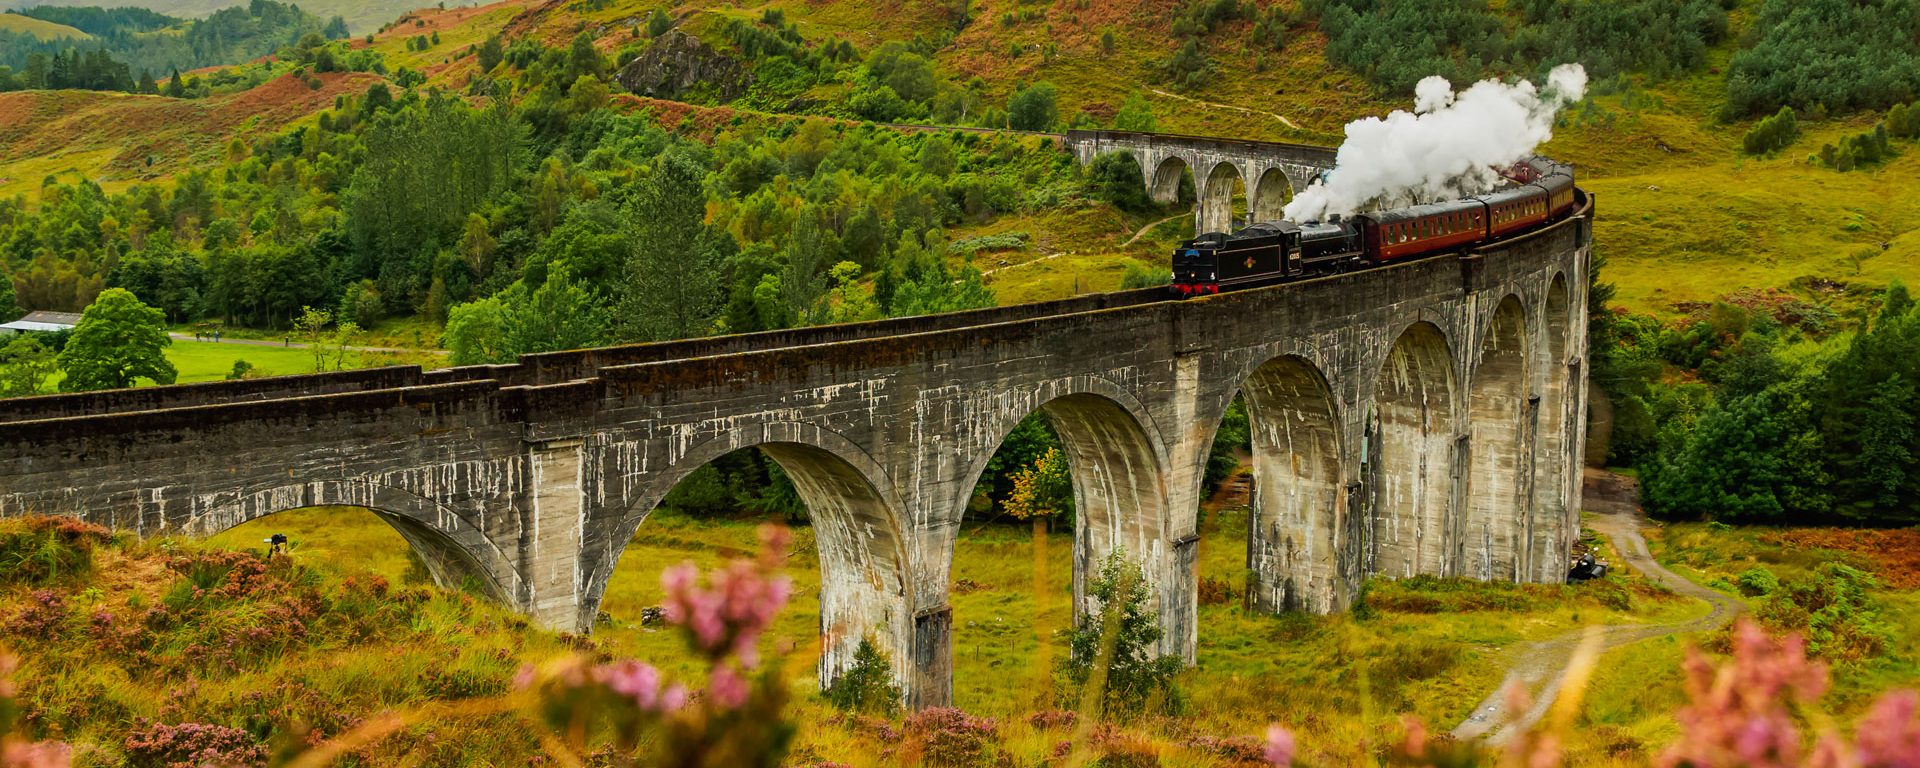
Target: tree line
(1767,408)
(134,49)
(549,204)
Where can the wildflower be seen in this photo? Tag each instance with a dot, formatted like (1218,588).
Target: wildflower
(39,754)
(1889,736)
(727,688)
(1738,714)
(1279,746)
(641,683)
(741,600)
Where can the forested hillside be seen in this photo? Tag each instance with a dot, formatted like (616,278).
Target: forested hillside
(361,16)
(135,49)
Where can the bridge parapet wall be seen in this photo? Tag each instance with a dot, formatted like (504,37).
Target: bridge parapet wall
(205,393)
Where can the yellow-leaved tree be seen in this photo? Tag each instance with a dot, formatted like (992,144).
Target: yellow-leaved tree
(1044,491)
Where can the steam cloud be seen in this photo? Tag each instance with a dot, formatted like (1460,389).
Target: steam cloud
(1450,146)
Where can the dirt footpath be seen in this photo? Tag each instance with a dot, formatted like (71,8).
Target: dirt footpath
(1541,666)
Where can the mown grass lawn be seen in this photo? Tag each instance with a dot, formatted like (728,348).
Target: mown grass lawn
(207,361)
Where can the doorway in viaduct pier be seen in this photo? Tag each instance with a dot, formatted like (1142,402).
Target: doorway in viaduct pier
(1500,473)
(1018,586)
(1412,457)
(845,559)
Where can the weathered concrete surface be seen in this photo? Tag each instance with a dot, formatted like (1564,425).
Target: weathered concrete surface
(1266,173)
(1371,394)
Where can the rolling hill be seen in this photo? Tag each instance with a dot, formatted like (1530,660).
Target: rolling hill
(362,15)
(1685,215)
(44,30)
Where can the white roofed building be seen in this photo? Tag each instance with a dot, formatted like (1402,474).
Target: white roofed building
(41,322)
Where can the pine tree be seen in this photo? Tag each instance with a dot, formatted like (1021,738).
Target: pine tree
(673,262)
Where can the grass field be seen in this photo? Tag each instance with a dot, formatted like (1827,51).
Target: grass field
(1426,647)
(39,28)
(208,361)
(1325,676)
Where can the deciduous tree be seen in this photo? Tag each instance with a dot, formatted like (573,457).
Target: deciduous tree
(119,340)
(25,364)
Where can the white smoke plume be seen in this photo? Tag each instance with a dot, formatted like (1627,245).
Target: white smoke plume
(1450,146)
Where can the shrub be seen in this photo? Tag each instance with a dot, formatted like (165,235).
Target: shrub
(1120,639)
(226,572)
(1833,608)
(1141,276)
(44,618)
(188,745)
(1775,132)
(950,738)
(1116,178)
(40,550)
(1053,720)
(1757,581)
(867,685)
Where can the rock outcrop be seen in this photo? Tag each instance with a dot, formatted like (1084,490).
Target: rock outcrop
(679,65)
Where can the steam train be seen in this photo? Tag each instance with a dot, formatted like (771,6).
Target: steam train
(1541,193)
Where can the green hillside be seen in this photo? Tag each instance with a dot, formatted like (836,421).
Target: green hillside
(362,15)
(44,30)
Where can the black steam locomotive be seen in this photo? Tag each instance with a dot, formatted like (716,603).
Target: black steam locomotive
(1264,252)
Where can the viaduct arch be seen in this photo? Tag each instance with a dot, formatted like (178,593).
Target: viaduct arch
(1269,172)
(1416,418)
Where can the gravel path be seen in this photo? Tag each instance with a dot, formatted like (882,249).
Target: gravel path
(1541,666)
(1151,225)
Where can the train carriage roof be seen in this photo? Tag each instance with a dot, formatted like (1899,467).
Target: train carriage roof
(1396,215)
(1512,194)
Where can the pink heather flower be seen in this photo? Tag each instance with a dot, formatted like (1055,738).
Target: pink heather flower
(673,698)
(525,678)
(728,615)
(1889,736)
(726,688)
(1279,746)
(634,680)
(1414,744)
(42,754)
(1738,714)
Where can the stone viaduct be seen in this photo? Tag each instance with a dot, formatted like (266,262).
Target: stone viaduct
(1268,173)
(1412,419)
